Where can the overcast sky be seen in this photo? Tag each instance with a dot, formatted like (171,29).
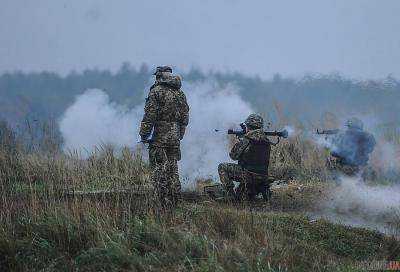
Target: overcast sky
(359,38)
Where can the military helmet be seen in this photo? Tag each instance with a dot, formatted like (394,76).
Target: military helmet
(354,123)
(162,69)
(254,121)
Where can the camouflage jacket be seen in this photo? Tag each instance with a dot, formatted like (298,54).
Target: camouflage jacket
(253,151)
(166,113)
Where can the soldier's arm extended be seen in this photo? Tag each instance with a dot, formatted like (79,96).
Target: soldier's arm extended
(184,117)
(238,149)
(150,115)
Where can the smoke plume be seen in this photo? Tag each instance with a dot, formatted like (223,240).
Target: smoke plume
(93,120)
(354,202)
(210,108)
(385,156)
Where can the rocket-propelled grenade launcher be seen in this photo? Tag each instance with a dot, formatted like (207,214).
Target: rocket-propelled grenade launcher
(242,132)
(327,131)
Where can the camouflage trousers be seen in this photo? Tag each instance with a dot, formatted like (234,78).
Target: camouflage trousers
(164,174)
(349,170)
(250,183)
(229,172)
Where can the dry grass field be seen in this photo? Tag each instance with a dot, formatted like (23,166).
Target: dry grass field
(63,213)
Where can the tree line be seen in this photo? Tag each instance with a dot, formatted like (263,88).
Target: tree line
(46,95)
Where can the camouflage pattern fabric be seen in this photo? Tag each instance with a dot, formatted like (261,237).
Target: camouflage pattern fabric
(250,183)
(239,148)
(166,115)
(242,146)
(164,171)
(335,164)
(254,121)
(243,151)
(167,79)
(229,172)
(162,69)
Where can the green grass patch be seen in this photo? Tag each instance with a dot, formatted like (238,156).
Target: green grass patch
(195,238)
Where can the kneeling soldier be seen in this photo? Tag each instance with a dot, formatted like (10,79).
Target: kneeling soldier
(252,152)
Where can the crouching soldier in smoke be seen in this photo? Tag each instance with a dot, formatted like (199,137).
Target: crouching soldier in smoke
(252,152)
(166,115)
(351,148)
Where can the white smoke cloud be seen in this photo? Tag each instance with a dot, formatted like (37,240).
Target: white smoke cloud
(93,120)
(386,157)
(356,203)
(210,109)
(292,131)
(325,141)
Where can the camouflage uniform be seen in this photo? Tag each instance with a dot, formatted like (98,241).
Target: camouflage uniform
(337,165)
(166,115)
(352,148)
(252,153)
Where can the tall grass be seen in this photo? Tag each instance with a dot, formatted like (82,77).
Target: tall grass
(50,222)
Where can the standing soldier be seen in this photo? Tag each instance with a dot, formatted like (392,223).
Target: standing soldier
(166,115)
